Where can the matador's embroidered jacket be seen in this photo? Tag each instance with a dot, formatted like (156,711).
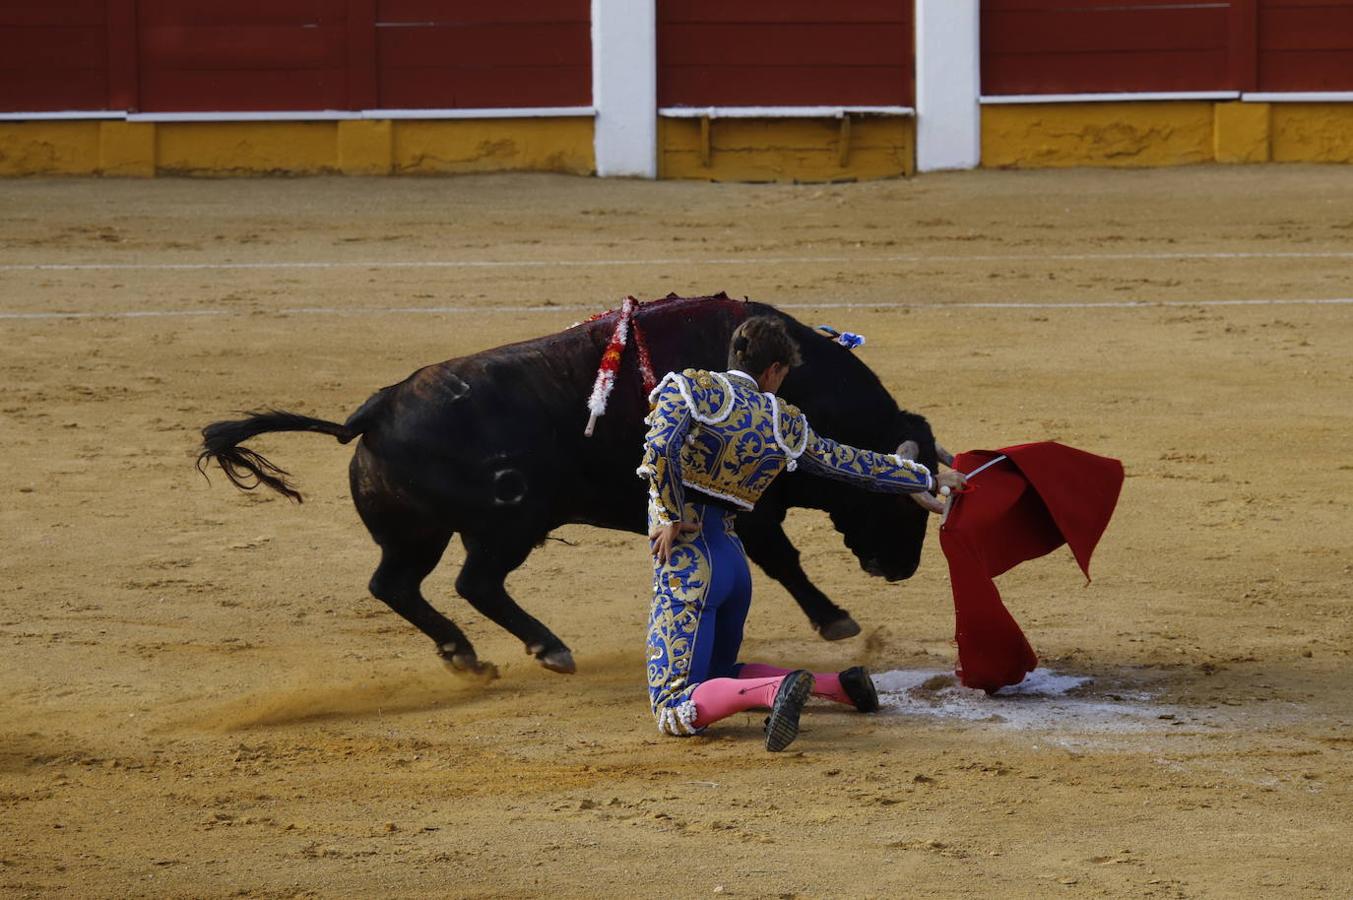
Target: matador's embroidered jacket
(715,433)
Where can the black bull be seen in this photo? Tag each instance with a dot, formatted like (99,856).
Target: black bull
(491,446)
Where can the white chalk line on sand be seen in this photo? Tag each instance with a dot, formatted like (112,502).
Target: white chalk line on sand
(514,310)
(1044,701)
(672,261)
(1066,703)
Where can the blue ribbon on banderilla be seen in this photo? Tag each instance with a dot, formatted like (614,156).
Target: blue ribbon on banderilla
(848,339)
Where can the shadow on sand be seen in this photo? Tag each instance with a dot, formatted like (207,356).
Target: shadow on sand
(315,700)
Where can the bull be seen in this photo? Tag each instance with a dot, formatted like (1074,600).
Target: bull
(491,446)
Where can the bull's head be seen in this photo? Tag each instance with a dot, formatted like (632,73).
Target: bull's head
(884,531)
(845,401)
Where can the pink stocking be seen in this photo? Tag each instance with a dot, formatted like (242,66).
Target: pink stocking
(720,698)
(826,686)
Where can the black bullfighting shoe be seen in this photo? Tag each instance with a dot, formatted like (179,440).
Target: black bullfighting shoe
(859,687)
(782,725)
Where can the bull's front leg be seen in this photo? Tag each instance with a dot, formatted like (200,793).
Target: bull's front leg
(482,582)
(768,546)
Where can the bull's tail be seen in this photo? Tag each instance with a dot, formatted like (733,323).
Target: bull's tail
(248,469)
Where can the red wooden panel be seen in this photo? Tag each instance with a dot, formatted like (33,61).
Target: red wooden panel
(537,86)
(1093,5)
(1279,4)
(770,11)
(485,88)
(243,47)
(363,80)
(524,62)
(53,56)
(41,90)
(51,12)
(53,49)
(1325,70)
(770,45)
(239,12)
(1243,49)
(207,56)
(1305,45)
(1186,70)
(784,86)
(485,45)
(786,53)
(257,90)
(477,12)
(1307,28)
(1111,46)
(123,77)
(1086,31)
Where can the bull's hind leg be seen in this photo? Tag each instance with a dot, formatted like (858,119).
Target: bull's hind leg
(412,542)
(481,583)
(398,581)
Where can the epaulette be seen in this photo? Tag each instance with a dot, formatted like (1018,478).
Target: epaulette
(708,395)
(701,377)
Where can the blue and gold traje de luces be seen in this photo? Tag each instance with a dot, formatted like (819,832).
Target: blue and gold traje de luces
(700,600)
(716,433)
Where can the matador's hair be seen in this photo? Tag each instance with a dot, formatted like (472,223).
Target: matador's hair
(760,342)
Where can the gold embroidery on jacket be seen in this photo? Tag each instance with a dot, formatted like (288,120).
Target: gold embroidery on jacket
(716,433)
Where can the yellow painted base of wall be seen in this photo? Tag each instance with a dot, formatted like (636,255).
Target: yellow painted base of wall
(357,147)
(1164,133)
(1128,134)
(49,148)
(1241,133)
(1047,135)
(1312,132)
(802,150)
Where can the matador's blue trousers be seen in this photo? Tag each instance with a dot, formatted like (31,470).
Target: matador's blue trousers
(701,596)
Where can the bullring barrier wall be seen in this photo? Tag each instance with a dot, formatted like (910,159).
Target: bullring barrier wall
(794,90)
(1153,82)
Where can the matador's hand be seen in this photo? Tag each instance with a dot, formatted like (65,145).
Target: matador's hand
(664,539)
(954,481)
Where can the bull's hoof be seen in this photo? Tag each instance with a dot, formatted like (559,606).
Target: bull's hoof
(840,629)
(468,664)
(560,660)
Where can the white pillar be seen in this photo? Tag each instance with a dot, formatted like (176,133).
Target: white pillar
(948,85)
(625,86)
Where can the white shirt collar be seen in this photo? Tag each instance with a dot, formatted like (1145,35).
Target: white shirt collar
(742,374)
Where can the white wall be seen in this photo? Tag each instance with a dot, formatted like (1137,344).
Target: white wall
(625,86)
(948,85)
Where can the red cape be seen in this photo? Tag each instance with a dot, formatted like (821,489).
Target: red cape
(1039,497)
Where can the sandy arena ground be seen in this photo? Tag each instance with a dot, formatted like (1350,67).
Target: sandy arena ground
(201,699)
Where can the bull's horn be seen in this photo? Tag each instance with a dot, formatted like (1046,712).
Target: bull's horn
(908,450)
(944,455)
